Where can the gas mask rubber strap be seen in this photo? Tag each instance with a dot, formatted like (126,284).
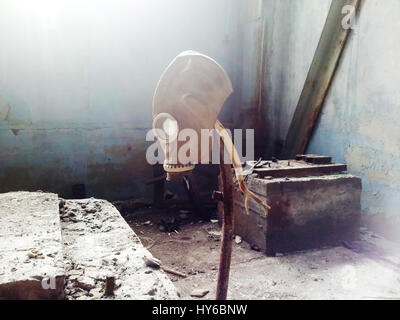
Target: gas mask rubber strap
(238,168)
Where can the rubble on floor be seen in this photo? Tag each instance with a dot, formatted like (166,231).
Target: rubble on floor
(364,269)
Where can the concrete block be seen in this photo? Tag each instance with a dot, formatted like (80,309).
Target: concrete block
(101,249)
(31,260)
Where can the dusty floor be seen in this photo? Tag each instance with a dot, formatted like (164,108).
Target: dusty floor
(367,269)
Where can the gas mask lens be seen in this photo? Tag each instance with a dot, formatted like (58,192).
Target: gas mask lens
(166,127)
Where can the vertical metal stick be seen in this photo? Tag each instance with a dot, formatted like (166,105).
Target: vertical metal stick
(227,227)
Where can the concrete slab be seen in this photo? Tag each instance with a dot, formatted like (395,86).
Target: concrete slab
(102,251)
(31,262)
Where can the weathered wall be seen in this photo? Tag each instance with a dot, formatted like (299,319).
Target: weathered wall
(292,33)
(76,86)
(359,124)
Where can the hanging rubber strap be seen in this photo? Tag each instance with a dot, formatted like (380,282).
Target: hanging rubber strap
(238,168)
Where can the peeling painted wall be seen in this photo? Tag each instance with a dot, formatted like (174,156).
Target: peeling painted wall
(76,86)
(359,124)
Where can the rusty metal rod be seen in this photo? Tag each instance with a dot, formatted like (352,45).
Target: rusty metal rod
(227,227)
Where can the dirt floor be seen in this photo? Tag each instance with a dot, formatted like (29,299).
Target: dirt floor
(366,269)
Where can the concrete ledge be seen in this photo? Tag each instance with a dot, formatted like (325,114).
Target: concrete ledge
(100,245)
(31,262)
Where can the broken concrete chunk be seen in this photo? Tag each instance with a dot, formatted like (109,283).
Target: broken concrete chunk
(238,239)
(199,293)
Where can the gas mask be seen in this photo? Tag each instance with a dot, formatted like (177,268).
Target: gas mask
(189,95)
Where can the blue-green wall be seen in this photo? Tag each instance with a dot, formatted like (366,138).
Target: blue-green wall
(77,80)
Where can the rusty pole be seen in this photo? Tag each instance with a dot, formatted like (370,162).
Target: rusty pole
(227,226)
